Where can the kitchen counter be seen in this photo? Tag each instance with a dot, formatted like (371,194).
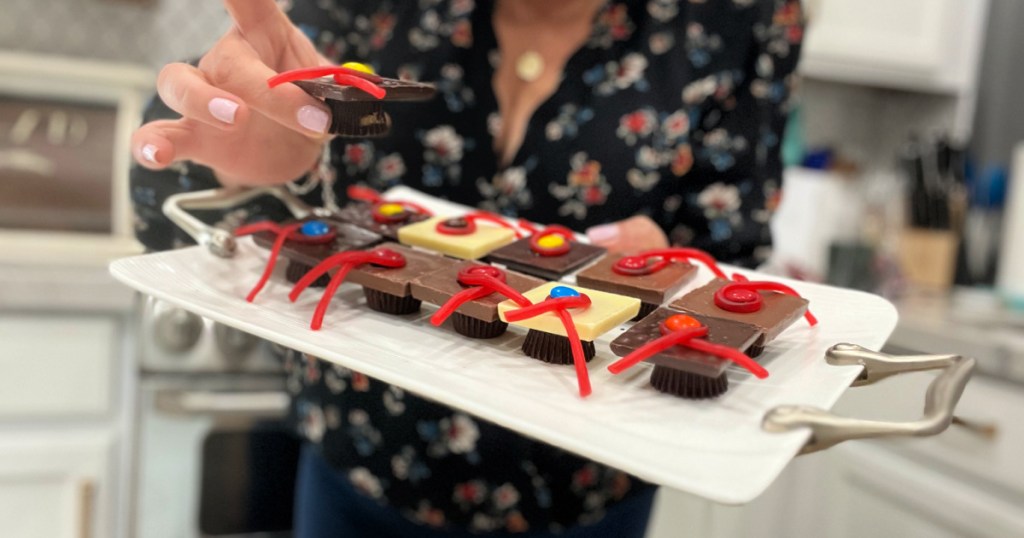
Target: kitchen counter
(967,322)
(64,286)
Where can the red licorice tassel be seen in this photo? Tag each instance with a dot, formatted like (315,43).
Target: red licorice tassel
(735,295)
(491,217)
(457,300)
(363,194)
(526,225)
(308,73)
(344,262)
(484,280)
(362,84)
(687,254)
(690,338)
(728,353)
(283,233)
(497,286)
(579,361)
(370,196)
(560,306)
(654,347)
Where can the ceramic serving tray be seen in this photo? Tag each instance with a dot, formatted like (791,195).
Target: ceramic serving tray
(714,449)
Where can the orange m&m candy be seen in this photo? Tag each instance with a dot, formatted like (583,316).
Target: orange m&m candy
(680,322)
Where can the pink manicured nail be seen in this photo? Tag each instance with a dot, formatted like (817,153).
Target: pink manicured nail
(223,109)
(603,234)
(149,152)
(313,118)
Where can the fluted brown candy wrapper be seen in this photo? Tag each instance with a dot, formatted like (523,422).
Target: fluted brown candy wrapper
(688,385)
(475,328)
(360,119)
(553,348)
(391,304)
(645,310)
(297,270)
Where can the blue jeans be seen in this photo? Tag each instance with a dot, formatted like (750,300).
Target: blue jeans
(327,506)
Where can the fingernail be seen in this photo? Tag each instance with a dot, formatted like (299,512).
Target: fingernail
(149,152)
(603,233)
(313,118)
(223,109)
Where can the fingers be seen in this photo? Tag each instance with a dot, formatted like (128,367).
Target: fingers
(254,16)
(186,91)
(234,66)
(631,235)
(158,144)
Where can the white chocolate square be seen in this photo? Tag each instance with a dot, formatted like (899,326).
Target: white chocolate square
(607,311)
(476,245)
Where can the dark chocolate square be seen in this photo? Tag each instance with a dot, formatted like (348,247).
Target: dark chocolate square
(360,214)
(654,288)
(519,257)
(780,310)
(439,286)
(349,238)
(396,281)
(734,334)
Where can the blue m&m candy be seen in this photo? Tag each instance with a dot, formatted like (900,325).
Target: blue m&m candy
(558,292)
(315,228)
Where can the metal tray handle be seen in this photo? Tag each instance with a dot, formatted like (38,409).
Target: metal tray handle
(222,242)
(828,429)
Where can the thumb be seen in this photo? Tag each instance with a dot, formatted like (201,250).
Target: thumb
(158,144)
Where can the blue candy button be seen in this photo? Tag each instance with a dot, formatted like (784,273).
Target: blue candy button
(315,228)
(563,291)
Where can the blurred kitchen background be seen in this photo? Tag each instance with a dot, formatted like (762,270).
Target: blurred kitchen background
(122,417)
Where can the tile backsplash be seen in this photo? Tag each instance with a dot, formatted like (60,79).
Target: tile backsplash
(147,32)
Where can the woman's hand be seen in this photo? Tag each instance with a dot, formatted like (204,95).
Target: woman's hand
(632,235)
(231,121)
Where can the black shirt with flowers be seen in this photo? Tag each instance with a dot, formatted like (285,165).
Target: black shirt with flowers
(672,108)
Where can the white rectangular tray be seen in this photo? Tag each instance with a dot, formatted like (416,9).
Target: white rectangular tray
(714,449)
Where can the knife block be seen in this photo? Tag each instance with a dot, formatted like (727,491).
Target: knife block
(928,257)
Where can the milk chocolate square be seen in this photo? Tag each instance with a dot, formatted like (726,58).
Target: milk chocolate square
(439,286)
(725,332)
(519,257)
(361,214)
(654,288)
(397,281)
(779,311)
(349,238)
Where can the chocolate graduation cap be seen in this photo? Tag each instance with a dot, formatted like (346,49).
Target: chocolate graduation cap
(356,96)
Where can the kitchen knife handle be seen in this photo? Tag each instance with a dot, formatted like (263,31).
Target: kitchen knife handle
(828,429)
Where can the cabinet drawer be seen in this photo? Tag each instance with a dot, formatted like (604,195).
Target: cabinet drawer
(57,365)
(985,401)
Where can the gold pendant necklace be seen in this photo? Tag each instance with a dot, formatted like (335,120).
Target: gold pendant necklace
(529,66)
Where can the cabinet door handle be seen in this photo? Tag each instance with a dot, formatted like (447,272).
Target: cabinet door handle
(86,507)
(218,241)
(828,429)
(261,404)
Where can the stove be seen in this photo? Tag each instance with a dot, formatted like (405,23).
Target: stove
(215,455)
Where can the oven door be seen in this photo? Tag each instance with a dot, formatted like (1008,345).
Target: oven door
(215,458)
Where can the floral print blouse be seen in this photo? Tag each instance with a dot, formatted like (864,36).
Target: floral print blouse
(672,108)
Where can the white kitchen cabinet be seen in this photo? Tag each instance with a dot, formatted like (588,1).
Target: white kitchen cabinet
(922,45)
(55,486)
(66,410)
(871,491)
(57,365)
(956,484)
